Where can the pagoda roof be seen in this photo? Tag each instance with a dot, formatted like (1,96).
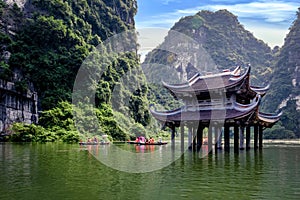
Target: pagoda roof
(249,92)
(260,90)
(205,83)
(206,114)
(268,119)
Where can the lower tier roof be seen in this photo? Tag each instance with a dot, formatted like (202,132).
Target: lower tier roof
(246,113)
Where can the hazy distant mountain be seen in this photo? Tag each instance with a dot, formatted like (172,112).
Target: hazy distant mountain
(210,41)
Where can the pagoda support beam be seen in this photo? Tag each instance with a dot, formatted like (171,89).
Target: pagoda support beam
(218,137)
(236,138)
(248,130)
(199,136)
(190,137)
(194,136)
(242,137)
(173,135)
(226,138)
(260,131)
(209,139)
(255,136)
(182,137)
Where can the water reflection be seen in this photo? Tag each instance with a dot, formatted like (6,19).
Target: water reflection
(145,148)
(137,158)
(71,172)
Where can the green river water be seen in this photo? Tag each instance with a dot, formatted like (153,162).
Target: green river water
(64,171)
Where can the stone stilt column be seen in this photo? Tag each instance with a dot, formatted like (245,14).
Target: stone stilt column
(173,135)
(199,136)
(209,139)
(182,137)
(218,137)
(255,136)
(236,138)
(190,137)
(260,131)
(226,138)
(194,136)
(248,137)
(242,137)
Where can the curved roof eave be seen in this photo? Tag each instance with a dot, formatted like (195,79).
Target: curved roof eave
(187,87)
(269,118)
(236,111)
(260,90)
(238,78)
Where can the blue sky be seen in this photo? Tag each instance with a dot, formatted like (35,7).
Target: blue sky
(267,20)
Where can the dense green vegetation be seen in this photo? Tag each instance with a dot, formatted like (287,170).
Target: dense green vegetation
(225,40)
(285,82)
(58,36)
(49,40)
(49,43)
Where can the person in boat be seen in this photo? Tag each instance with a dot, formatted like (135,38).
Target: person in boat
(137,139)
(160,140)
(89,140)
(95,140)
(151,141)
(143,139)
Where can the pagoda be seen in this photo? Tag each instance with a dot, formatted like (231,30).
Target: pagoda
(218,102)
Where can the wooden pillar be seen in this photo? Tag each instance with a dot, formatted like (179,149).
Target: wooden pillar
(209,139)
(236,138)
(226,138)
(255,136)
(242,137)
(190,137)
(182,137)
(194,136)
(199,136)
(248,130)
(218,137)
(260,131)
(173,135)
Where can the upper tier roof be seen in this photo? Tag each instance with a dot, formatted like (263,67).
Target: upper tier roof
(229,81)
(206,83)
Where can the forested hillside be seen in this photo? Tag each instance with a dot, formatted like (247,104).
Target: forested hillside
(224,40)
(49,39)
(284,93)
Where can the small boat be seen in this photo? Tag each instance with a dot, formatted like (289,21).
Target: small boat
(93,143)
(145,143)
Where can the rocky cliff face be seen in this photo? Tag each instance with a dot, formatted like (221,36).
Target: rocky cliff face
(16,105)
(45,42)
(286,81)
(284,93)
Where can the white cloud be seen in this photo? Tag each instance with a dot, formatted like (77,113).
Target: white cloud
(166,2)
(255,16)
(273,36)
(270,11)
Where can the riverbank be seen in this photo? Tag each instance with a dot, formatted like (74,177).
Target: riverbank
(283,141)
